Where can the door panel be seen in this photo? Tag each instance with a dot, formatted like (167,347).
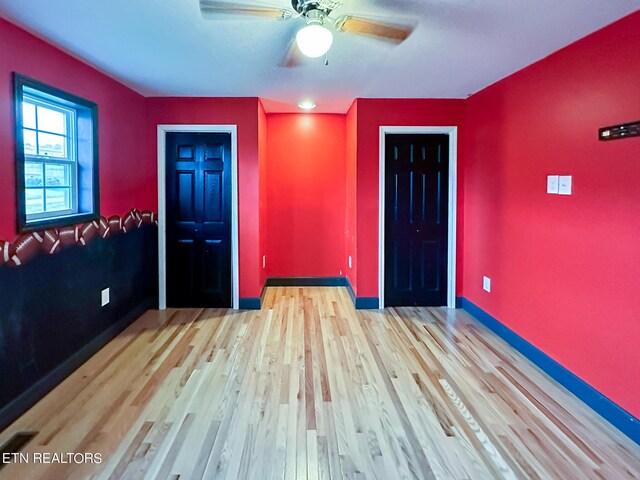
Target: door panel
(186,192)
(416,219)
(212,259)
(402,268)
(186,152)
(213,196)
(199,219)
(184,261)
(429,273)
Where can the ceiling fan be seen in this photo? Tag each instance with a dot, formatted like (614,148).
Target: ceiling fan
(314,39)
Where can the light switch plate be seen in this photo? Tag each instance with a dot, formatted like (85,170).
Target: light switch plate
(564,184)
(104,297)
(553,183)
(349,261)
(486,284)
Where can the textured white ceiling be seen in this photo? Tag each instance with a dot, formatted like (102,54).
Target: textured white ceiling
(165,47)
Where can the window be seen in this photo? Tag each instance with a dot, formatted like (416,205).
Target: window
(56,150)
(50,168)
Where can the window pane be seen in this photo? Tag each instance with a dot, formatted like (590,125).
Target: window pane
(29,137)
(33,174)
(52,145)
(28,115)
(57,175)
(58,199)
(52,120)
(34,200)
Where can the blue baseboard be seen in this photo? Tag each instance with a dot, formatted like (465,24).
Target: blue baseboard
(250,303)
(362,303)
(352,294)
(367,303)
(613,413)
(306,282)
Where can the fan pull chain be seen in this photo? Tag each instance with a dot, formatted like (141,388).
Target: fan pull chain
(326,59)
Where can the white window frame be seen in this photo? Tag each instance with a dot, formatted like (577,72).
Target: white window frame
(82,145)
(71,159)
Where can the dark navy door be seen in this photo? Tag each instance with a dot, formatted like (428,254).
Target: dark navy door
(416,219)
(199,219)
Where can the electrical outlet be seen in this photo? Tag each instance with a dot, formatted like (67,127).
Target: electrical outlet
(552,183)
(486,284)
(264,261)
(104,295)
(349,261)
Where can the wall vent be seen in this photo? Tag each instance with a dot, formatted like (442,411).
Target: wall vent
(15,444)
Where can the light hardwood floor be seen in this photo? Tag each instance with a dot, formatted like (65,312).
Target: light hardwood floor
(309,389)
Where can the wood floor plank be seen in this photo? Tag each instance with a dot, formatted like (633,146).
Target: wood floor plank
(308,388)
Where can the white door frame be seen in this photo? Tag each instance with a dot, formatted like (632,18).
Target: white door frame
(453,201)
(162,210)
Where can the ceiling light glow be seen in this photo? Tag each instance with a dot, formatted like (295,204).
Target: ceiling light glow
(314,40)
(307,104)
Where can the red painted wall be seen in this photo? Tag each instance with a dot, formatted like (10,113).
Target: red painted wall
(372,114)
(127,171)
(306,195)
(242,112)
(262,161)
(565,270)
(350,203)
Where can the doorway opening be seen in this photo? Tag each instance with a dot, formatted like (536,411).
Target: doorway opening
(417,238)
(163,250)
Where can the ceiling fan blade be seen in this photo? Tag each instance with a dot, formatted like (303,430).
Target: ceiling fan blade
(209,8)
(392,32)
(294,56)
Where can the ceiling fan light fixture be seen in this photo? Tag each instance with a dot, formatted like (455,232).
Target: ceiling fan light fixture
(314,40)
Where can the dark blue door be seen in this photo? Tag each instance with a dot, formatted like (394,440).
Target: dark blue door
(199,220)
(416,219)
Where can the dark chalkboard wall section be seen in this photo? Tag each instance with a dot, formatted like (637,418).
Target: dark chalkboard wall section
(51,319)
